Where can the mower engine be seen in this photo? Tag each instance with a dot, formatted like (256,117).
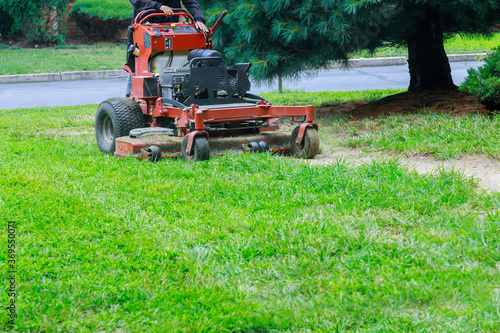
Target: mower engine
(211,82)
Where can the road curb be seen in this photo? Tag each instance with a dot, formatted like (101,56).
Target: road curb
(399,61)
(63,76)
(117,74)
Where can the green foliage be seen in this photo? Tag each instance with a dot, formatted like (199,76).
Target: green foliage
(7,21)
(283,37)
(104,9)
(103,19)
(40,21)
(485,81)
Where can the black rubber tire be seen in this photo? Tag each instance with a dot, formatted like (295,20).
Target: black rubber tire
(264,147)
(115,117)
(310,145)
(155,154)
(201,149)
(254,147)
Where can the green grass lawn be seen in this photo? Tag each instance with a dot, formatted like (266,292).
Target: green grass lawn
(251,243)
(108,56)
(64,59)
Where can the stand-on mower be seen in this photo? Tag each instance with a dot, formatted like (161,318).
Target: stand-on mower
(185,102)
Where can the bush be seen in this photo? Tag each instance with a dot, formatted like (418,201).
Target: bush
(102,19)
(7,21)
(45,18)
(485,81)
(104,9)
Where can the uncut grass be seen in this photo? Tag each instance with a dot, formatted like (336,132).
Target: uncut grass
(241,243)
(441,135)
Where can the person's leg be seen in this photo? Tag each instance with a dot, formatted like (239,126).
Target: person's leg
(129,86)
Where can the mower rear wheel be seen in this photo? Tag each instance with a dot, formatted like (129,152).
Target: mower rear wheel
(310,145)
(200,152)
(115,117)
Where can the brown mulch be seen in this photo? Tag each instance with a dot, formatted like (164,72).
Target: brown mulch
(455,102)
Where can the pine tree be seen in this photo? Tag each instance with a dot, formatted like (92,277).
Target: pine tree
(283,37)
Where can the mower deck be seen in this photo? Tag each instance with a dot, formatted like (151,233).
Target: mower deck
(170,146)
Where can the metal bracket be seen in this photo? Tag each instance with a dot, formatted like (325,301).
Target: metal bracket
(173,102)
(192,135)
(302,130)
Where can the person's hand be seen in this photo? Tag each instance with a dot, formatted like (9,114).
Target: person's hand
(167,10)
(201,26)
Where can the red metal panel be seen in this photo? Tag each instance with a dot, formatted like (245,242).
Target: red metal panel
(254,111)
(137,86)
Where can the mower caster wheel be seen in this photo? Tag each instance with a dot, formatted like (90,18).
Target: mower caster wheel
(258,147)
(200,151)
(310,145)
(254,147)
(155,153)
(264,147)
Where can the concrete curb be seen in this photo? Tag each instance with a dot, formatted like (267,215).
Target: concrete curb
(63,76)
(117,74)
(399,61)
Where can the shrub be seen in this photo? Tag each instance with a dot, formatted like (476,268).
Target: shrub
(45,18)
(102,19)
(485,81)
(104,9)
(7,21)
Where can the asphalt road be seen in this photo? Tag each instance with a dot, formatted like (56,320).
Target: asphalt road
(28,95)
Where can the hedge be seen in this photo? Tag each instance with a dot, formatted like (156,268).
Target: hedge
(104,9)
(485,81)
(45,18)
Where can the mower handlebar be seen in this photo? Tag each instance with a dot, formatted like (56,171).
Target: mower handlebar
(219,19)
(146,14)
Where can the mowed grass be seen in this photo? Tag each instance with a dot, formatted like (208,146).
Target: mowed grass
(112,57)
(251,243)
(440,135)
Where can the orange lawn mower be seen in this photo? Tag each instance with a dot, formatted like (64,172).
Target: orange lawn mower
(186,103)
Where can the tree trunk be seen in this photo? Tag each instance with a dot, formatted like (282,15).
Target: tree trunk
(427,60)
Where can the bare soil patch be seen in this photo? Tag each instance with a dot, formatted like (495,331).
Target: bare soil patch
(484,169)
